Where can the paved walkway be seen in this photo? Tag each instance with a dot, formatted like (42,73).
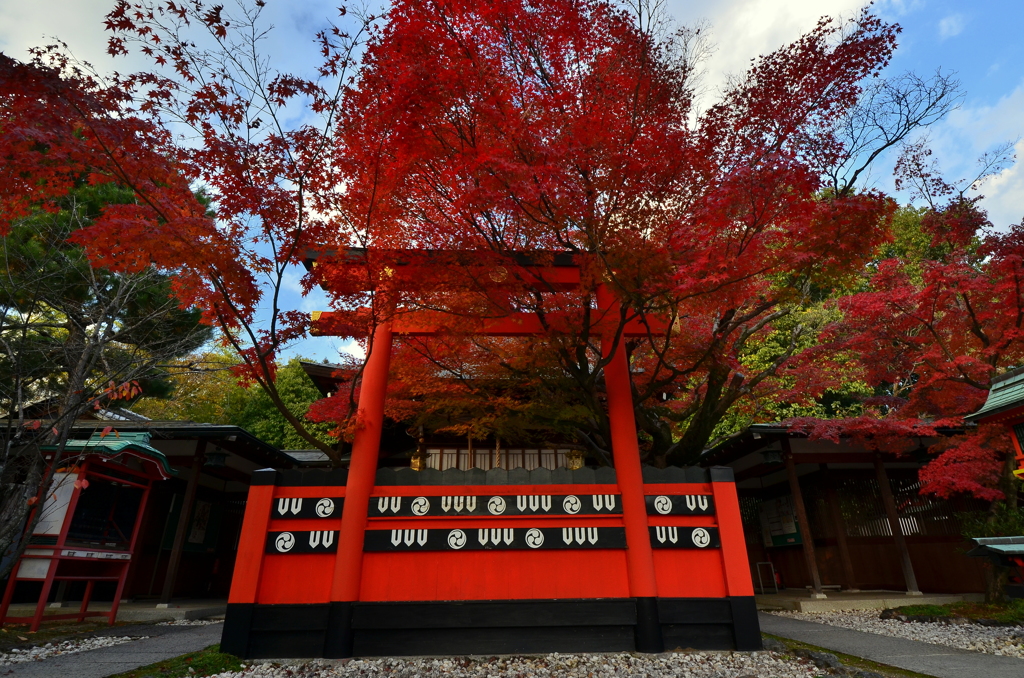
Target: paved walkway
(932,660)
(164,642)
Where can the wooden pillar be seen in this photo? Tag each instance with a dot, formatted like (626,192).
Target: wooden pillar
(183,523)
(805,526)
(897,530)
(626,455)
(832,496)
(362,474)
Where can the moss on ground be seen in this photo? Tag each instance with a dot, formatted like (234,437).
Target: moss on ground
(203,663)
(1005,613)
(851,661)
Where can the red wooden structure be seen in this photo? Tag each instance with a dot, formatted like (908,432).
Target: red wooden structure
(90,522)
(543,561)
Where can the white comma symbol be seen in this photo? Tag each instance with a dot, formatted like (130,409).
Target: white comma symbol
(456,539)
(284,542)
(324,508)
(534,538)
(420,506)
(701,537)
(572,504)
(663,505)
(496,505)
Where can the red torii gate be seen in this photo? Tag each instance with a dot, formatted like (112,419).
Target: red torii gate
(365,448)
(347,577)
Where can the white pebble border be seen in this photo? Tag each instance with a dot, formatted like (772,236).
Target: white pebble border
(1002,640)
(40,652)
(190,622)
(676,665)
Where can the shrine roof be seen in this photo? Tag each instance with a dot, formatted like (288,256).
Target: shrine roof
(1006,393)
(116,444)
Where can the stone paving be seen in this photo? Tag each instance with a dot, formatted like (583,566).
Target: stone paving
(164,642)
(932,660)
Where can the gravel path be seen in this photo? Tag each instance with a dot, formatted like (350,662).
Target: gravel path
(999,640)
(676,665)
(40,652)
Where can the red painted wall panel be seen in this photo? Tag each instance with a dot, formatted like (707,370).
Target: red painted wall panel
(494,575)
(296,579)
(689,573)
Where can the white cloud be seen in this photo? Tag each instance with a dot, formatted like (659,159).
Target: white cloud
(745,29)
(967,133)
(951,25)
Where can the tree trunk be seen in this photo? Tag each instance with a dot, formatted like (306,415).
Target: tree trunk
(997,576)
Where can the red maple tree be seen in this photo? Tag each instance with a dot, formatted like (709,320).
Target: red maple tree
(940,317)
(510,129)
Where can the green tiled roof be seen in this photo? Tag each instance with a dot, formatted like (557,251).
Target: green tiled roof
(1006,393)
(1007,546)
(114,444)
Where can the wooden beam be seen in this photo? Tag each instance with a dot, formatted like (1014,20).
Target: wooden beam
(183,523)
(801,516)
(897,529)
(425,324)
(839,527)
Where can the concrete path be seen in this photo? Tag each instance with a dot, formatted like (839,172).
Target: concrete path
(932,660)
(164,642)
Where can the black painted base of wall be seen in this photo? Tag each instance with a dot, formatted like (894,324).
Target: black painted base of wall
(490,627)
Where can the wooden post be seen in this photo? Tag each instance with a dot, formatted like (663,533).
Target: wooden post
(897,529)
(183,522)
(801,516)
(362,475)
(840,529)
(626,455)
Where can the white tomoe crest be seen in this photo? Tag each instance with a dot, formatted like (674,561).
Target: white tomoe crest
(420,506)
(496,505)
(663,504)
(701,537)
(324,507)
(284,542)
(456,539)
(534,538)
(572,504)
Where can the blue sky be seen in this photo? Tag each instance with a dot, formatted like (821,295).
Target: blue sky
(979,40)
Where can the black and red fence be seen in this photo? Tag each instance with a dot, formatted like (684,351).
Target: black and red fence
(471,562)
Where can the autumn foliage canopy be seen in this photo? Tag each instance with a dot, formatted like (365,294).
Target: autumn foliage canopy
(482,134)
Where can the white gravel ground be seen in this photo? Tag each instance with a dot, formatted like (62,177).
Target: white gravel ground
(190,622)
(39,652)
(1001,640)
(675,665)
